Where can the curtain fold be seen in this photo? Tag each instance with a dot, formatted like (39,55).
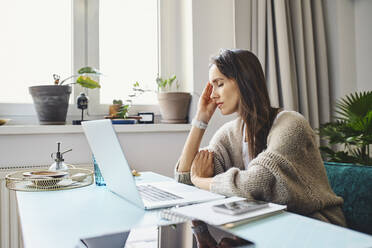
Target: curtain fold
(288,37)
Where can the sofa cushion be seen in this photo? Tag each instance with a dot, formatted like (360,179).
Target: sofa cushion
(354,184)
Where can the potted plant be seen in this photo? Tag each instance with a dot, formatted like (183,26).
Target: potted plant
(119,112)
(352,129)
(114,108)
(51,101)
(174,105)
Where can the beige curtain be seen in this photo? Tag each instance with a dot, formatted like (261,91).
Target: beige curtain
(288,36)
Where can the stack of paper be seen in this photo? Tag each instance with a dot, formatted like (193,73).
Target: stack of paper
(205,212)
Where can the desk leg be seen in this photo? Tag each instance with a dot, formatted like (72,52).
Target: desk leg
(179,235)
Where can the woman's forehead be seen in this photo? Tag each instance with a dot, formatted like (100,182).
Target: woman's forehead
(214,73)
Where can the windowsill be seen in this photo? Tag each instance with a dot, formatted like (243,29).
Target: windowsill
(57,129)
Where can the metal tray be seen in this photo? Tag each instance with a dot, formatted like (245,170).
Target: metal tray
(75,178)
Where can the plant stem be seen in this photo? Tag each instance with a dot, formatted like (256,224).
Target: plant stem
(66,79)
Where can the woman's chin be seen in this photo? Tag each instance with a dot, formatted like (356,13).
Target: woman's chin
(224,112)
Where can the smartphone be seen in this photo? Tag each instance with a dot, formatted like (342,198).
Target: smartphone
(239,207)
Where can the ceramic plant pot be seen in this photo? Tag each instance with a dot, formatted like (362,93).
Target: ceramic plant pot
(51,103)
(114,108)
(174,106)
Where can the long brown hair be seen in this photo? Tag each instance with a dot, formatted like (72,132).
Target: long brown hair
(254,107)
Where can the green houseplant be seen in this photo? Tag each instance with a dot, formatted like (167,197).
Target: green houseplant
(352,129)
(118,110)
(51,101)
(174,105)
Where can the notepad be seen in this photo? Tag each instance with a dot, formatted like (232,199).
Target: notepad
(205,212)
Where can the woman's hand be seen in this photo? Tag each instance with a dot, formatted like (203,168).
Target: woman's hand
(203,165)
(206,105)
(202,170)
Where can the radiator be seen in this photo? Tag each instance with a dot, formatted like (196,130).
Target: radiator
(10,231)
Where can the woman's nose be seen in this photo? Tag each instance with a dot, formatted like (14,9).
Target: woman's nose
(213,94)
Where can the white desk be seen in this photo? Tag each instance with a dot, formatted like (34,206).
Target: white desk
(60,218)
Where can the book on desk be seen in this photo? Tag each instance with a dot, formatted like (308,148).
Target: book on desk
(205,212)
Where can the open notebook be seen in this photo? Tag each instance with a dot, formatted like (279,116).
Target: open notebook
(205,212)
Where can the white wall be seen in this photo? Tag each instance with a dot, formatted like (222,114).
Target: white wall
(363,43)
(144,151)
(213,25)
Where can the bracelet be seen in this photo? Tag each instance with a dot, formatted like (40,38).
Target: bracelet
(199,124)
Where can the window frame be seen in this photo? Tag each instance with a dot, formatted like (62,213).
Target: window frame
(92,58)
(85,51)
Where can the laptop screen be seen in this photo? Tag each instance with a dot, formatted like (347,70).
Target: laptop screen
(111,160)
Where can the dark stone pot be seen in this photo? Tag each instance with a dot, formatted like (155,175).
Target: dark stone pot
(51,103)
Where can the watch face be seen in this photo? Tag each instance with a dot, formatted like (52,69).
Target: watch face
(147,117)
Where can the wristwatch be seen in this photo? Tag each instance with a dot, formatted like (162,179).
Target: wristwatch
(199,124)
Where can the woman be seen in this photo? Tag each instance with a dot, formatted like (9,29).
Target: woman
(265,154)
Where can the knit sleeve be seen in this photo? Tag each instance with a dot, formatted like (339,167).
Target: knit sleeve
(254,183)
(218,160)
(220,145)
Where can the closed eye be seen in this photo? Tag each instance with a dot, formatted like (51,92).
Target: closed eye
(220,85)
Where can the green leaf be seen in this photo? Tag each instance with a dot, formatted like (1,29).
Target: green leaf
(123,111)
(352,128)
(170,80)
(88,69)
(163,83)
(87,82)
(119,102)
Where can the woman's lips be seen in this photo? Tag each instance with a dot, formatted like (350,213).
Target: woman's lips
(219,105)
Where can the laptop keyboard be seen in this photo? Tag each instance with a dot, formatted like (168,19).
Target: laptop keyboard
(154,194)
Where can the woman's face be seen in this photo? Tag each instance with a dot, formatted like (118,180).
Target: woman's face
(225,91)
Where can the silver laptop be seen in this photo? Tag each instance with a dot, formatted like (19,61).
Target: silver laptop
(115,170)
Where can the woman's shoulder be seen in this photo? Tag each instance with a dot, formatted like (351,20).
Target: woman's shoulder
(289,119)
(289,125)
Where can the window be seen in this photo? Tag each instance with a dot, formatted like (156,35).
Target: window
(35,42)
(128,48)
(40,38)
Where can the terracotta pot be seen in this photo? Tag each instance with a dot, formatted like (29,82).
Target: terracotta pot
(113,109)
(174,106)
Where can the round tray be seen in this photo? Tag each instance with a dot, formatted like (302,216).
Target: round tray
(75,178)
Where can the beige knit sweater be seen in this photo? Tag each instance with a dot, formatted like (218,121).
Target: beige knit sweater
(290,171)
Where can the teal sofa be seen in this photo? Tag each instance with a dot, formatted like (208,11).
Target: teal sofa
(354,184)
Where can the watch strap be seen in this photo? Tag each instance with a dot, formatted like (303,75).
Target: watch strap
(199,124)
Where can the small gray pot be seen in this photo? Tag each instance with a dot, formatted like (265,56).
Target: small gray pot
(51,103)
(174,106)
